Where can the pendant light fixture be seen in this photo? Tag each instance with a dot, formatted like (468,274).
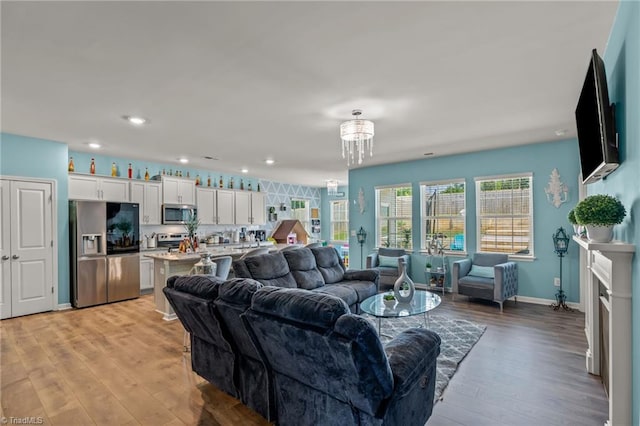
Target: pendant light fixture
(357,136)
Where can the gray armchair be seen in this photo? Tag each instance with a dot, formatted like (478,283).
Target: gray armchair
(387,262)
(489,276)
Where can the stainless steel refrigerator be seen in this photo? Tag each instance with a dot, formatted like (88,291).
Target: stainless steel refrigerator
(105,252)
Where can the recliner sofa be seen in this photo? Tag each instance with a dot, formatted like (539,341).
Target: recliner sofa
(328,366)
(318,269)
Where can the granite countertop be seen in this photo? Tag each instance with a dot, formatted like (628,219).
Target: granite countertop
(214,251)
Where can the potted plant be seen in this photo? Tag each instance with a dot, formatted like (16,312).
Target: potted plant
(428,267)
(572,219)
(599,213)
(389,300)
(191,225)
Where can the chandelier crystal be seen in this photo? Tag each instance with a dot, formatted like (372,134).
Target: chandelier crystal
(357,136)
(332,187)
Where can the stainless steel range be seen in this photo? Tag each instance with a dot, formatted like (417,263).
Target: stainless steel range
(170,241)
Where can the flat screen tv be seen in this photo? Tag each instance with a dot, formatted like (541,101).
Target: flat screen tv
(595,121)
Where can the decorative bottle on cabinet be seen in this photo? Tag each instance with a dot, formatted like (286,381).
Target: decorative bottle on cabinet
(220,182)
(130,171)
(231,183)
(72,167)
(404,288)
(146,173)
(209,180)
(241,184)
(114,169)
(92,167)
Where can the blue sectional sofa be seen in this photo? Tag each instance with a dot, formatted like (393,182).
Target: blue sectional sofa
(317,269)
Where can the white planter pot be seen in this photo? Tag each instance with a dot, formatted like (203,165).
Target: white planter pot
(599,234)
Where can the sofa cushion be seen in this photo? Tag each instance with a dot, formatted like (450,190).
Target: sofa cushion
(344,292)
(363,289)
(302,264)
(388,271)
(204,286)
(239,291)
(329,264)
(302,306)
(270,269)
(388,261)
(482,271)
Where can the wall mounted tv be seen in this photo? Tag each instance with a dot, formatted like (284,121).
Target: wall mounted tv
(595,120)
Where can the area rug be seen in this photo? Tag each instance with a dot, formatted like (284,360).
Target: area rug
(458,337)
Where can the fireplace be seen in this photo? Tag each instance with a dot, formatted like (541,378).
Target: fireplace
(605,281)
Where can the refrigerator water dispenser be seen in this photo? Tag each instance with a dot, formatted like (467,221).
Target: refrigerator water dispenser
(91,244)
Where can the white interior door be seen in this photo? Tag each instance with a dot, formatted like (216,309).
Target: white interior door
(5,250)
(31,248)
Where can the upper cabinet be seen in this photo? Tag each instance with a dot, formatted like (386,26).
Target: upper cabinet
(250,208)
(85,187)
(149,196)
(215,206)
(177,190)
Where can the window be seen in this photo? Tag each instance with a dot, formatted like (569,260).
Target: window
(504,208)
(442,213)
(393,216)
(340,221)
(300,211)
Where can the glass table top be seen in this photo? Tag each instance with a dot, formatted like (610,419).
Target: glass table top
(423,301)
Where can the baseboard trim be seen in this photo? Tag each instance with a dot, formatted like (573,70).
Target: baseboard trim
(539,301)
(63,306)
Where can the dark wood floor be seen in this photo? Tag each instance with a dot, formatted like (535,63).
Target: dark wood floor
(121,364)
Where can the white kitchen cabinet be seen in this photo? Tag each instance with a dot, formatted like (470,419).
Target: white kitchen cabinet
(149,196)
(95,188)
(249,208)
(146,274)
(215,206)
(177,190)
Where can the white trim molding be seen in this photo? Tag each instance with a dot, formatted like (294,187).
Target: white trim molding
(62,306)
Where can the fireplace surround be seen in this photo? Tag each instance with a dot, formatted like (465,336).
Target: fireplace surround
(605,282)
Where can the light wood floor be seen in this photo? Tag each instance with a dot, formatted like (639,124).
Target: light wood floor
(120,364)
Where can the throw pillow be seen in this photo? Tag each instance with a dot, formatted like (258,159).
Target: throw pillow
(388,261)
(482,271)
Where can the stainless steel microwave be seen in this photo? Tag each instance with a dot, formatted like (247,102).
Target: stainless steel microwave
(177,213)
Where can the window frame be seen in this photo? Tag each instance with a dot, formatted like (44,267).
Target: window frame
(478,181)
(423,216)
(332,221)
(378,218)
(307,207)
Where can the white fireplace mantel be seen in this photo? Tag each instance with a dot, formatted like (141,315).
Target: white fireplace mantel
(609,265)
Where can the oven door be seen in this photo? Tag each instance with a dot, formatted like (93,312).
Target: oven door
(177,214)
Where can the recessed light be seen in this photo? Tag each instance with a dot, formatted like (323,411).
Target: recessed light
(135,120)
(94,145)
(269,161)
(183,160)
(561,132)
(245,170)
(428,153)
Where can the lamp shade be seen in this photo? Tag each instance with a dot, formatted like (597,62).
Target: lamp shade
(362,235)
(560,241)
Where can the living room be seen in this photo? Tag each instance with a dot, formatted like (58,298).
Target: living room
(28,151)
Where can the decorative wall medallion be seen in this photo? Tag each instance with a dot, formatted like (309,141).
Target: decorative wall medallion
(361,201)
(557,192)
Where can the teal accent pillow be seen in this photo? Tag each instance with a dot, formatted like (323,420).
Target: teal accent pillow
(482,271)
(388,261)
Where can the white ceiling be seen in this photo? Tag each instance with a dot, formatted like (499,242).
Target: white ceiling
(243,81)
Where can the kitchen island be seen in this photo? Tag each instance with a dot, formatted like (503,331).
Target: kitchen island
(166,265)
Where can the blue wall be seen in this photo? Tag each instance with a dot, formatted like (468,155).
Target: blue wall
(535,277)
(622,61)
(37,158)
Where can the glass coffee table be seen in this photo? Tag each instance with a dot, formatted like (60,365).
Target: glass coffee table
(422,302)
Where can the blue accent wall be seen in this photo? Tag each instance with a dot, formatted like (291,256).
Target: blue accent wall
(622,61)
(37,158)
(535,277)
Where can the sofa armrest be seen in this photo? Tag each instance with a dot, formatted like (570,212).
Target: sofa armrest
(372,260)
(506,280)
(460,269)
(372,275)
(412,357)
(407,262)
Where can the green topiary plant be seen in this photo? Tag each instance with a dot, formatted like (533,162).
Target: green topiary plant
(572,217)
(601,210)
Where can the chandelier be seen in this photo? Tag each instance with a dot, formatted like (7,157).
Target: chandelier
(356,134)
(332,187)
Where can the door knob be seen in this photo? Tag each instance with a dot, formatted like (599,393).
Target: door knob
(5,257)
(15,256)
